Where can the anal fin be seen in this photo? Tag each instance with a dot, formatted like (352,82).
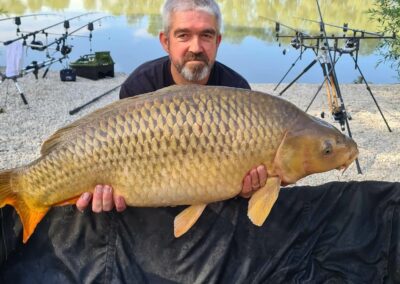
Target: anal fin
(262,201)
(29,218)
(187,218)
(34,219)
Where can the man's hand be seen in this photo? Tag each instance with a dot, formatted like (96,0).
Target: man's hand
(103,200)
(253,181)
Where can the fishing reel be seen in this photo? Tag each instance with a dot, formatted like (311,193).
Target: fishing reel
(35,66)
(339,115)
(350,45)
(295,43)
(66,49)
(36,45)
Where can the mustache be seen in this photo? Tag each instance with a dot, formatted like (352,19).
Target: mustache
(190,56)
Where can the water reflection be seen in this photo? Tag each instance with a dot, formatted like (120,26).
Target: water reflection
(238,15)
(246,26)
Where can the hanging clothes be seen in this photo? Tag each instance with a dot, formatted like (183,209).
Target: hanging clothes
(14,59)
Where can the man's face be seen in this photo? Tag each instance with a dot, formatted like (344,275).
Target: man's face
(192,45)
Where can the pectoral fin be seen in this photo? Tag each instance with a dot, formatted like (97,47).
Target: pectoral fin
(186,219)
(261,202)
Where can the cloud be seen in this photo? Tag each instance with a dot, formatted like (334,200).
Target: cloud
(141,33)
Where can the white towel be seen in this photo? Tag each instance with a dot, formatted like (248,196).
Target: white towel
(14,58)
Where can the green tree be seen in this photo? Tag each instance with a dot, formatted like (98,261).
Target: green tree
(387,14)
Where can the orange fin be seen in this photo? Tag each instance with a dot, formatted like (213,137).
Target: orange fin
(7,196)
(29,218)
(186,219)
(262,201)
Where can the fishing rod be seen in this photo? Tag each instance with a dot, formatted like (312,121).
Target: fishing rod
(287,72)
(341,113)
(34,67)
(76,110)
(65,49)
(345,27)
(340,37)
(56,34)
(332,72)
(65,22)
(328,62)
(351,43)
(18,18)
(278,27)
(297,41)
(304,36)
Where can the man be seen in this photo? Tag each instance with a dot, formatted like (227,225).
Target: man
(191,37)
(338,233)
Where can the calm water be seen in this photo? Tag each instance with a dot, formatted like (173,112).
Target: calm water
(249,45)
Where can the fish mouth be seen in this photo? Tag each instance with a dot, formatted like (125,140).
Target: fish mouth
(343,168)
(350,160)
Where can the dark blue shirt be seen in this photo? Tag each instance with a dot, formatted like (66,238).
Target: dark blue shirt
(156,74)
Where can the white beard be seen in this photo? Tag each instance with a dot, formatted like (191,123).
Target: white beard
(195,74)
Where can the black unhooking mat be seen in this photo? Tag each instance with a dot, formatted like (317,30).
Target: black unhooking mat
(335,233)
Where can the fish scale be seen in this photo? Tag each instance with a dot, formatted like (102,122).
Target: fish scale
(182,145)
(180,121)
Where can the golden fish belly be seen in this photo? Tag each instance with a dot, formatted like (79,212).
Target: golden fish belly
(174,147)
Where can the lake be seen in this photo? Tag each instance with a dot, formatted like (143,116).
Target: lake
(249,44)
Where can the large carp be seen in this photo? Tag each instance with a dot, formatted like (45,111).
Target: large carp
(181,145)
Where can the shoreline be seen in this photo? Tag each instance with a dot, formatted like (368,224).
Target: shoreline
(24,128)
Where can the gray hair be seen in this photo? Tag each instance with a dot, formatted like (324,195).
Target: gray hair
(171,6)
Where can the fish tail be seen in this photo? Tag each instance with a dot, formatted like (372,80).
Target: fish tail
(9,196)
(6,194)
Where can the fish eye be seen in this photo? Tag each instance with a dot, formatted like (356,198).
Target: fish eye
(327,148)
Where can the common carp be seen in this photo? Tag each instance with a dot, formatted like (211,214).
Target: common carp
(181,145)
